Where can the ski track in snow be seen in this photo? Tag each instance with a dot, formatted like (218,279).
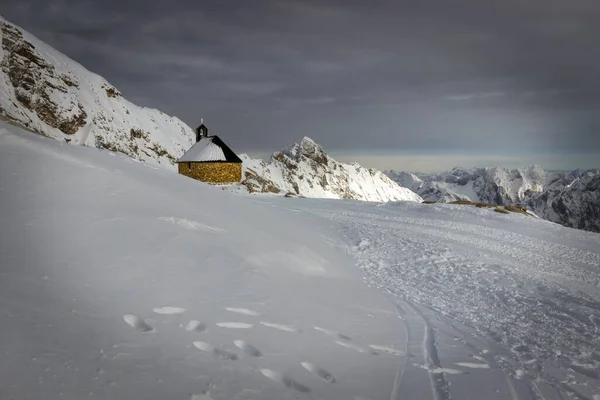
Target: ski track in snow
(462,271)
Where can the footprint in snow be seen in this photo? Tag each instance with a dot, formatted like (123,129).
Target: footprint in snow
(234,325)
(218,353)
(333,333)
(281,327)
(284,380)
(137,323)
(356,348)
(244,311)
(386,349)
(195,326)
(169,310)
(247,348)
(320,372)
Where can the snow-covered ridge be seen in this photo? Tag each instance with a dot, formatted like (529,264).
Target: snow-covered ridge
(569,198)
(305,169)
(493,185)
(44,91)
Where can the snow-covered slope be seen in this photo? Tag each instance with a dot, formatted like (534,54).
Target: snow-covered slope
(46,92)
(305,169)
(116,282)
(568,198)
(124,281)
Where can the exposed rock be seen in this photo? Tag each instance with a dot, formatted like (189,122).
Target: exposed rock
(257,184)
(111,91)
(34,80)
(45,92)
(576,205)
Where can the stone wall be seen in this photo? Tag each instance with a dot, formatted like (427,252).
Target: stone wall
(212,172)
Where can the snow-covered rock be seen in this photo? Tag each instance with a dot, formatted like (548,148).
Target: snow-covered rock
(304,169)
(492,185)
(44,91)
(573,202)
(568,198)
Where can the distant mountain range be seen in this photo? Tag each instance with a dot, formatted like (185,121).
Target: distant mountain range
(568,198)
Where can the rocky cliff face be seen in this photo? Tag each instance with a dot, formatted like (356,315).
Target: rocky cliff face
(490,185)
(304,169)
(571,199)
(44,91)
(575,204)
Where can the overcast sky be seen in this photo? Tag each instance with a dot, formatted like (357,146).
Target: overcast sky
(407,84)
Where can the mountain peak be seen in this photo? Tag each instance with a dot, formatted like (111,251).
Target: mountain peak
(305,169)
(307,142)
(308,149)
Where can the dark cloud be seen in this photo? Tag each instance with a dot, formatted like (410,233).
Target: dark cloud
(417,74)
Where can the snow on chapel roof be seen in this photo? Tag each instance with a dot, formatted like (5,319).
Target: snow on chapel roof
(209,149)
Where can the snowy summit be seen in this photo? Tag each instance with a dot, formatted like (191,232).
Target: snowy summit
(304,169)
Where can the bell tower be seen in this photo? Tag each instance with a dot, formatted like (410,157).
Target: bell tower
(201,131)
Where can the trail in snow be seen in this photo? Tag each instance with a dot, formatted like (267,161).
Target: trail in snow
(536,300)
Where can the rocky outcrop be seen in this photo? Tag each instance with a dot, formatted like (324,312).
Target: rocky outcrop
(34,81)
(44,91)
(576,205)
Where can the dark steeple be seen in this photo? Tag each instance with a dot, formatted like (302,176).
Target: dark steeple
(201,131)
